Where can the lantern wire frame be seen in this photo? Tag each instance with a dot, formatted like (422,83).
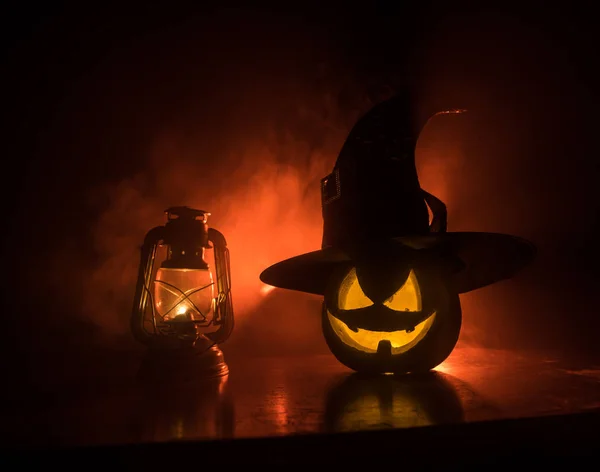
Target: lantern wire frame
(184,296)
(223,303)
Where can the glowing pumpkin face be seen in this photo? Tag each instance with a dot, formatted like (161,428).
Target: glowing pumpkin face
(405,321)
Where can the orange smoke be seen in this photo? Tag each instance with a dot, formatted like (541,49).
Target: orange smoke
(252,152)
(246,128)
(266,205)
(267,209)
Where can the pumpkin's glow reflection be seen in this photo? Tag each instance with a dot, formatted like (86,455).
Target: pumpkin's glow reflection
(407,298)
(375,413)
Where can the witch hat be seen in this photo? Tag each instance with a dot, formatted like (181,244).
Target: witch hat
(374,207)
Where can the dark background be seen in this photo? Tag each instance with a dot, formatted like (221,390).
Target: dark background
(112,115)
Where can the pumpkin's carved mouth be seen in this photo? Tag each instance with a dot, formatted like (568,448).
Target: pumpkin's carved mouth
(382,318)
(391,342)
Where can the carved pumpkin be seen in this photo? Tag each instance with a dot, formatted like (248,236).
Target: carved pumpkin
(399,320)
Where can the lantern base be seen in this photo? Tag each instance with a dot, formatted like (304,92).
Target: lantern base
(183,365)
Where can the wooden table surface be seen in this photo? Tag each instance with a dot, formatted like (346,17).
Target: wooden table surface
(268,396)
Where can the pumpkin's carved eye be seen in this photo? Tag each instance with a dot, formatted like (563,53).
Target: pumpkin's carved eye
(408,297)
(351,295)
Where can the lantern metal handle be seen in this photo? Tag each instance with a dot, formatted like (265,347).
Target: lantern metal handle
(224,302)
(142,290)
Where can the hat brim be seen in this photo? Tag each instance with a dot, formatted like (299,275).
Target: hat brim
(486,258)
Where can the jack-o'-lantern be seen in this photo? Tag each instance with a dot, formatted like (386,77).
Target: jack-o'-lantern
(390,274)
(405,320)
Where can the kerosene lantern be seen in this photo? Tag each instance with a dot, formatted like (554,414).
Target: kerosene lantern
(181,307)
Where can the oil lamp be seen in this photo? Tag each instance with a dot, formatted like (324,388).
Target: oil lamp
(180,306)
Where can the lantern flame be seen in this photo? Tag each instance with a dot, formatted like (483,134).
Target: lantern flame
(182,309)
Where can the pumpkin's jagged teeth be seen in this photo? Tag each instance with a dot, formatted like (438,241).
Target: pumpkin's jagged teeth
(410,330)
(353,328)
